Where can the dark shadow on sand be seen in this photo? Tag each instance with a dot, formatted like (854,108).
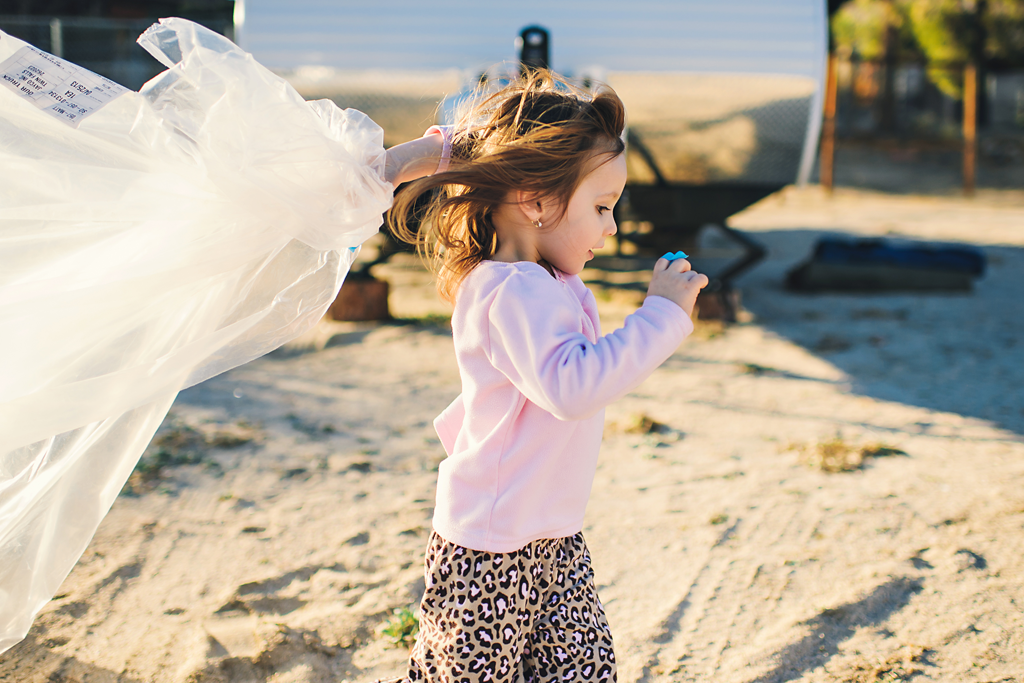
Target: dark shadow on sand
(831,628)
(948,352)
(921,171)
(39,658)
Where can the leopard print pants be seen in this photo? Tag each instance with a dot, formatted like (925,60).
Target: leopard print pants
(529,615)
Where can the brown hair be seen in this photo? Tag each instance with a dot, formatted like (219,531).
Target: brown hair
(536,135)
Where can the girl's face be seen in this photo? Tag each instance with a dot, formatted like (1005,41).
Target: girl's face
(587,220)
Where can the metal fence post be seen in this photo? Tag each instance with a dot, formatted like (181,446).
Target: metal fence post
(56,37)
(970,127)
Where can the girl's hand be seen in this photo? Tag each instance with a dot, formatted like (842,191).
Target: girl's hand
(676,281)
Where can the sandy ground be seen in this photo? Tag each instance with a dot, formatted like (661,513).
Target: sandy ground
(287,518)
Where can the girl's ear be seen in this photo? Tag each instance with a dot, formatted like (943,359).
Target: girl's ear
(531,204)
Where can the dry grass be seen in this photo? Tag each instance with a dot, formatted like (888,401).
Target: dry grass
(641,423)
(879,450)
(902,665)
(756,370)
(836,454)
(703,330)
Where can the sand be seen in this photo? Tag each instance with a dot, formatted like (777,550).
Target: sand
(288,520)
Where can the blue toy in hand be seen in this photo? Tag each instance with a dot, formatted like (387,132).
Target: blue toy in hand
(672,257)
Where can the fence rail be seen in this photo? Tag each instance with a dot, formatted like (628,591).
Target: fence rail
(106,46)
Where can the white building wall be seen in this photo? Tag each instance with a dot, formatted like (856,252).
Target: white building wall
(736,36)
(723,90)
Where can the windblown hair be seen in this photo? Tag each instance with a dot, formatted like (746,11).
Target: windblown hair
(537,134)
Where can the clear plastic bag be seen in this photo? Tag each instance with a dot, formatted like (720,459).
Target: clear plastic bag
(149,241)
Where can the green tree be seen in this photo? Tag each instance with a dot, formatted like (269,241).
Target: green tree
(864,28)
(943,29)
(951,33)
(945,33)
(1003,23)
(874,30)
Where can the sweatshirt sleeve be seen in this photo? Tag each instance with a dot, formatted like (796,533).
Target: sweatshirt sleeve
(535,340)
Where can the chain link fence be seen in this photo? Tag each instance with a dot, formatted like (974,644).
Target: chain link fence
(922,101)
(715,128)
(106,46)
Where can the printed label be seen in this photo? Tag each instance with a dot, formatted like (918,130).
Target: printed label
(61,89)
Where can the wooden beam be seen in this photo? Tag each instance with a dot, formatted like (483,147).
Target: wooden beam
(828,128)
(970,127)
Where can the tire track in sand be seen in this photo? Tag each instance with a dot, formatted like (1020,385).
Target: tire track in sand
(734,591)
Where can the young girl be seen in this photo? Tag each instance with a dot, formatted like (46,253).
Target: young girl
(535,171)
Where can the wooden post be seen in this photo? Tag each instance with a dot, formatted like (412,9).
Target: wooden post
(361,299)
(828,128)
(970,127)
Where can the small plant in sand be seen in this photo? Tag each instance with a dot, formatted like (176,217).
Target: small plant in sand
(402,628)
(880,450)
(902,665)
(834,455)
(838,455)
(756,370)
(653,433)
(641,423)
(177,443)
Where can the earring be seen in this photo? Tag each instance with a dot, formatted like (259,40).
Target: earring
(537,224)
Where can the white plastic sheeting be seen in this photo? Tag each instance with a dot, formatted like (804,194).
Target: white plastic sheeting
(149,241)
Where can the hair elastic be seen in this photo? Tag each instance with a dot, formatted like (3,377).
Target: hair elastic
(446,148)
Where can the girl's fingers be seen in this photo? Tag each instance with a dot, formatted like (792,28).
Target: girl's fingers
(699,279)
(678,265)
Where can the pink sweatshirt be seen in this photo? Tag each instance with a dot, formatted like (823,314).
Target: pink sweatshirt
(523,437)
